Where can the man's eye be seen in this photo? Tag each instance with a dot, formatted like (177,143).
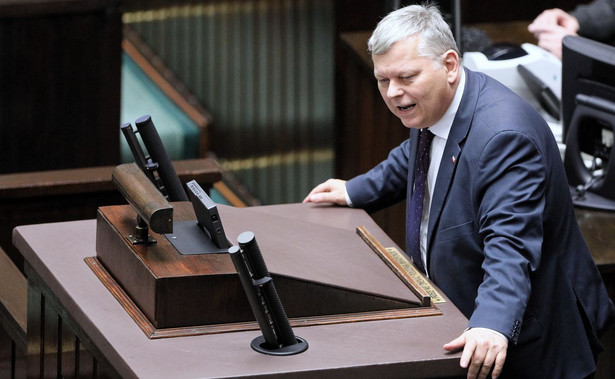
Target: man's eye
(383,81)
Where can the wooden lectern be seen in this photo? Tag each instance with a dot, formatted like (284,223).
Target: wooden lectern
(323,274)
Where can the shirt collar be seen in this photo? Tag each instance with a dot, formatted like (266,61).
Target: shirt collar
(443,126)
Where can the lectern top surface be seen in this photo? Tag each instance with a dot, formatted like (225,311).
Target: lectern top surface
(385,348)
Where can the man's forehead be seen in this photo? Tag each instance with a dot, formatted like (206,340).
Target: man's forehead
(402,57)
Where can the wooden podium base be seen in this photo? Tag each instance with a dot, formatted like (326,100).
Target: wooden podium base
(169,294)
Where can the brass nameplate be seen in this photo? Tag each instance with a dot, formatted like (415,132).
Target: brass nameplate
(415,274)
(404,270)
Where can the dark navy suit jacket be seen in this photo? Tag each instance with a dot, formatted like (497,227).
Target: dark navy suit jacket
(503,241)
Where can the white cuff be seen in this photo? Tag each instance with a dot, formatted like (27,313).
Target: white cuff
(348,201)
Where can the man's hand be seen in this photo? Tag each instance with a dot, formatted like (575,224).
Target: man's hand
(331,191)
(483,350)
(550,28)
(552,18)
(552,40)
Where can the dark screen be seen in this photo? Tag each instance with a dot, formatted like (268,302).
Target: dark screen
(588,114)
(588,68)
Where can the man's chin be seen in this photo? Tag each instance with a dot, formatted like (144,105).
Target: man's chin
(409,124)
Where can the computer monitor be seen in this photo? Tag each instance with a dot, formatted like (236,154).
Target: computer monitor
(588,116)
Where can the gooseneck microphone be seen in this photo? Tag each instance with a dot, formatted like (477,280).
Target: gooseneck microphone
(157,152)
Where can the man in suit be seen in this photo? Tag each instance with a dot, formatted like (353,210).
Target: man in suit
(497,231)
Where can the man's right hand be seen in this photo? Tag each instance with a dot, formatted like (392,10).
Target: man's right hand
(331,191)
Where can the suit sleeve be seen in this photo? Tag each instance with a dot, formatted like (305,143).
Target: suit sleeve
(383,185)
(510,196)
(596,19)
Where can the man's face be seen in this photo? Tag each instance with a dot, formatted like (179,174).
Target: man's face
(415,89)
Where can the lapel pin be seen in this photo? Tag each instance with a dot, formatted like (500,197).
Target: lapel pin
(453,159)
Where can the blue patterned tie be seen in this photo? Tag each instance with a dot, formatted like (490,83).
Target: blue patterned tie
(415,214)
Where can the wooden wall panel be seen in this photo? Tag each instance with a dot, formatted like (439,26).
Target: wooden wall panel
(60,70)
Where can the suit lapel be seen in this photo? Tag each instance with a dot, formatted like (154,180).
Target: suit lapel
(453,151)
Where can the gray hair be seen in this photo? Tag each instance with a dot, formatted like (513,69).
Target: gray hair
(425,21)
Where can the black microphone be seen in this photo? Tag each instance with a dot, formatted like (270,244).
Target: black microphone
(278,337)
(247,243)
(158,153)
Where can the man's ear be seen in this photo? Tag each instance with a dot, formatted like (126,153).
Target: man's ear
(452,64)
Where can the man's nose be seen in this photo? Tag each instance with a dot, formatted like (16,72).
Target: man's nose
(394,89)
